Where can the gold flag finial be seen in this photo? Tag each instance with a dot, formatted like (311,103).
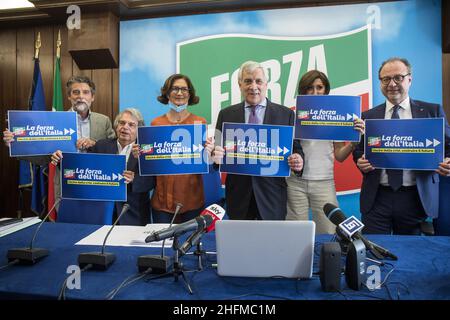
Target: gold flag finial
(58,45)
(37,46)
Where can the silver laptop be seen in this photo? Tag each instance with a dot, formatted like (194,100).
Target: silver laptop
(251,248)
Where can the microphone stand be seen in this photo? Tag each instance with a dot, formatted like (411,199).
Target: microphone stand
(178,252)
(177,266)
(159,264)
(101,260)
(342,240)
(199,252)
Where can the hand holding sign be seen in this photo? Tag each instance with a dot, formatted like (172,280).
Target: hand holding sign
(56,157)
(129,176)
(444,168)
(358,124)
(217,154)
(8,137)
(85,143)
(295,162)
(364,165)
(209,145)
(135,150)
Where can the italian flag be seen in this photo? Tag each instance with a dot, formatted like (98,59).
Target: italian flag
(57,105)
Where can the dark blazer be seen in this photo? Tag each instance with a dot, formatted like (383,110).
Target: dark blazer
(137,192)
(427,181)
(270,192)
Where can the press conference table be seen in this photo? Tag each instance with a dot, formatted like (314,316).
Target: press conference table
(422,272)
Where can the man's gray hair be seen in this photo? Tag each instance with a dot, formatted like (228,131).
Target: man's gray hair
(250,66)
(135,113)
(80,79)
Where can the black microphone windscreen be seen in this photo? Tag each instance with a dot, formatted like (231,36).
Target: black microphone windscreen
(334,213)
(208,220)
(328,207)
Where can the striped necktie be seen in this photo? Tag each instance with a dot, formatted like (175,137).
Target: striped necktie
(253,118)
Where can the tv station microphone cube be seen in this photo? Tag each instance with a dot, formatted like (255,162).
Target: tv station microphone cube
(350,226)
(330,267)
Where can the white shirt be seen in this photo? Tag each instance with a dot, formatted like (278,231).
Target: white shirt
(319,159)
(409,178)
(125,150)
(84,126)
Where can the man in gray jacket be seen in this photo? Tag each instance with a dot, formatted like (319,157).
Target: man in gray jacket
(92,126)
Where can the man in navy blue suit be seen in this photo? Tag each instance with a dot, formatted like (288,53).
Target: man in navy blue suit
(397,201)
(256,197)
(126,125)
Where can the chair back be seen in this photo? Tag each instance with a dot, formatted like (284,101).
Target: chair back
(85,211)
(212,186)
(442,223)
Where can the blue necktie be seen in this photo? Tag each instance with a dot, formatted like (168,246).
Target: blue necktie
(395,177)
(253,118)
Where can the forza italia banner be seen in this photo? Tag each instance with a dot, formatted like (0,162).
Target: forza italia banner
(413,144)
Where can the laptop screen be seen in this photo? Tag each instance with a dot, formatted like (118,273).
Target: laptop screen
(254,248)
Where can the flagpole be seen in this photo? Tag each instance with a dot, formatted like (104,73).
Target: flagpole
(58,45)
(37,46)
(57,105)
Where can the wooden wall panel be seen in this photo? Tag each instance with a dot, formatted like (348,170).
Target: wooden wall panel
(103,97)
(115,85)
(25,66)
(77,71)
(8,194)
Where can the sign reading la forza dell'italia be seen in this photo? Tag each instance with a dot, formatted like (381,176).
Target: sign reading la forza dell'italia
(42,132)
(213,62)
(324,117)
(405,143)
(91,176)
(177,149)
(256,149)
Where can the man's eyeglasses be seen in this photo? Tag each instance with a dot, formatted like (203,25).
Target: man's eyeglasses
(398,78)
(184,90)
(132,125)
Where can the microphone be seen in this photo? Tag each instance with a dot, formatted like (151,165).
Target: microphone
(198,223)
(336,216)
(101,260)
(214,211)
(29,256)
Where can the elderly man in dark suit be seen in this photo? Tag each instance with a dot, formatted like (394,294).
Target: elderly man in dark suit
(126,125)
(397,201)
(256,197)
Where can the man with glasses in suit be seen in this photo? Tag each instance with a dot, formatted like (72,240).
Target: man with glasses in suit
(397,201)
